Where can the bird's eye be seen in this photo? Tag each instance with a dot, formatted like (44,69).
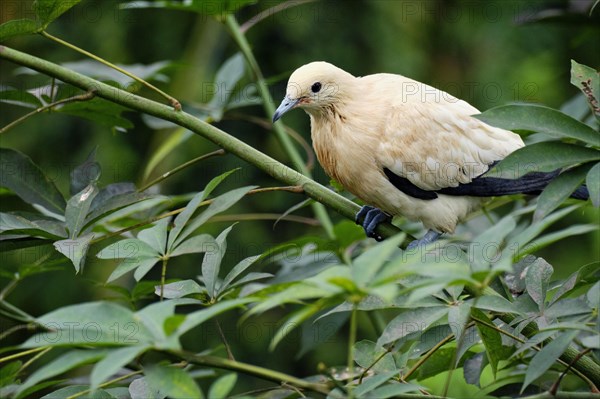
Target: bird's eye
(316,87)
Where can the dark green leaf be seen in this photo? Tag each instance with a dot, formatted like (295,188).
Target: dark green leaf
(91,323)
(128,248)
(174,382)
(472,369)
(537,278)
(21,98)
(114,360)
(9,373)
(218,10)
(85,174)
(545,358)
(491,339)
(110,191)
(415,320)
(77,209)
(394,390)
(142,265)
(99,111)
(248,278)
(48,10)
(537,118)
(546,156)
(221,388)
(18,27)
(71,390)
(369,384)
(38,227)
(367,264)
(62,364)
(112,204)
(320,330)
(75,249)
(593,184)
(587,80)
(21,175)
(559,190)
(211,264)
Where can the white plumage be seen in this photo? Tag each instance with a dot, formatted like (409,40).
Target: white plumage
(361,126)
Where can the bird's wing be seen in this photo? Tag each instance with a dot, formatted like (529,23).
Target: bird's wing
(432,141)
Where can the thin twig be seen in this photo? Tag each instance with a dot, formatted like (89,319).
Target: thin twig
(173,101)
(21,354)
(36,357)
(270,12)
(224,339)
(556,384)
(80,97)
(265,216)
(105,384)
(377,360)
(426,356)
(180,168)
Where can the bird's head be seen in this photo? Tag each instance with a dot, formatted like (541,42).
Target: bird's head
(314,87)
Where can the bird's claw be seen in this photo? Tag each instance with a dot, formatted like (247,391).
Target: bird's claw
(428,238)
(371,217)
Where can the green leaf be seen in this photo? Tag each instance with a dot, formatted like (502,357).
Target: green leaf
(113,362)
(371,383)
(537,277)
(228,75)
(108,206)
(296,319)
(60,365)
(99,111)
(495,303)
(21,175)
(156,236)
(75,249)
(184,217)
(141,265)
(18,27)
(545,358)
(71,390)
(48,10)
(128,248)
(483,249)
(85,174)
(196,244)
(559,190)
(593,184)
(219,204)
(174,382)
(21,98)
(538,118)
(77,209)
(180,289)
(587,80)
(367,264)
(546,156)
(211,264)
(221,388)
(236,271)
(491,339)
(9,373)
(38,227)
(415,320)
(367,354)
(140,389)
(90,323)
(320,329)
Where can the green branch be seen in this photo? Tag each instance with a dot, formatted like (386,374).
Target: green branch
(283,137)
(227,142)
(257,371)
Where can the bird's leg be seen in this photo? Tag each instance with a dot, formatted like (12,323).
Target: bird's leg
(428,238)
(371,217)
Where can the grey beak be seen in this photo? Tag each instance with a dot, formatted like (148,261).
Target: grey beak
(284,107)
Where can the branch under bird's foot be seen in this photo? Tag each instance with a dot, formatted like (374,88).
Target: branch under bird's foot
(371,217)
(428,238)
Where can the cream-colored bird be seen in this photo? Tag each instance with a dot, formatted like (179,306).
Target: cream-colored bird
(403,147)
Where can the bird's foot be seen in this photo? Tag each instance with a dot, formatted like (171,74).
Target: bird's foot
(428,238)
(371,217)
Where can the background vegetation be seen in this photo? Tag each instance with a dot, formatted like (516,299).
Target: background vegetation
(487,53)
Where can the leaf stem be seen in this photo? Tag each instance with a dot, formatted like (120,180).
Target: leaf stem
(427,355)
(163,277)
(173,101)
(21,354)
(180,168)
(351,342)
(297,161)
(80,97)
